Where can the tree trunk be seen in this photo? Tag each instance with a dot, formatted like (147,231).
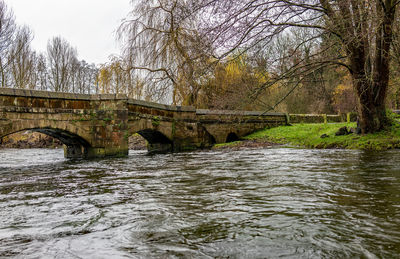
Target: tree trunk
(366,32)
(371,105)
(372,118)
(371,79)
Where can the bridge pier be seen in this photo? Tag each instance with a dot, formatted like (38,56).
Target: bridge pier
(75,151)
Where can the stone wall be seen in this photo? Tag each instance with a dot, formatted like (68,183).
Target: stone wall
(322,118)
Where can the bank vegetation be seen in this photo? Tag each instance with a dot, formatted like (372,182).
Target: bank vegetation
(322,136)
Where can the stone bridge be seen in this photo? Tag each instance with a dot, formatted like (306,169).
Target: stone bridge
(99,125)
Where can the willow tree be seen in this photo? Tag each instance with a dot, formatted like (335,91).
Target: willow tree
(360,33)
(161,43)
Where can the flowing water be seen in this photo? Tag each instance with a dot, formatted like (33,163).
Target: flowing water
(264,203)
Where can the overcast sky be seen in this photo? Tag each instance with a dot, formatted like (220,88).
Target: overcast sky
(88,25)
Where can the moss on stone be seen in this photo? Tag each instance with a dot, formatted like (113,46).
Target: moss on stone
(155,121)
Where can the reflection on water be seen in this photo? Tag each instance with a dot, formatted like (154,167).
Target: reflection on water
(264,203)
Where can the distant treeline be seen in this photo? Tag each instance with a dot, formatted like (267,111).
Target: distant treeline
(58,69)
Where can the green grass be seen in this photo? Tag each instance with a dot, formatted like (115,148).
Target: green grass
(309,135)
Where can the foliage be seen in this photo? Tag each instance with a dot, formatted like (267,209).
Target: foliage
(114,78)
(232,84)
(344,99)
(155,121)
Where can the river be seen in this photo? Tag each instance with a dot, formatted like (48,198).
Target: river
(252,203)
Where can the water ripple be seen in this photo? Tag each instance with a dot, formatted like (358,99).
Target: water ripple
(274,202)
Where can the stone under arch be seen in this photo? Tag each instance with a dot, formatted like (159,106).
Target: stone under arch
(157,141)
(76,146)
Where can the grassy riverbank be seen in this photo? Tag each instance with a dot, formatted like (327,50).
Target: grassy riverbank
(309,135)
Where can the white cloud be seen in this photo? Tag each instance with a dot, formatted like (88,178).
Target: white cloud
(88,25)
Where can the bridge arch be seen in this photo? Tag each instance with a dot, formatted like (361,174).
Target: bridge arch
(76,146)
(157,141)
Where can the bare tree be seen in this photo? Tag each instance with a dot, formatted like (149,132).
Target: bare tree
(81,74)
(22,60)
(7,32)
(92,72)
(74,70)
(21,67)
(60,56)
(41,72)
